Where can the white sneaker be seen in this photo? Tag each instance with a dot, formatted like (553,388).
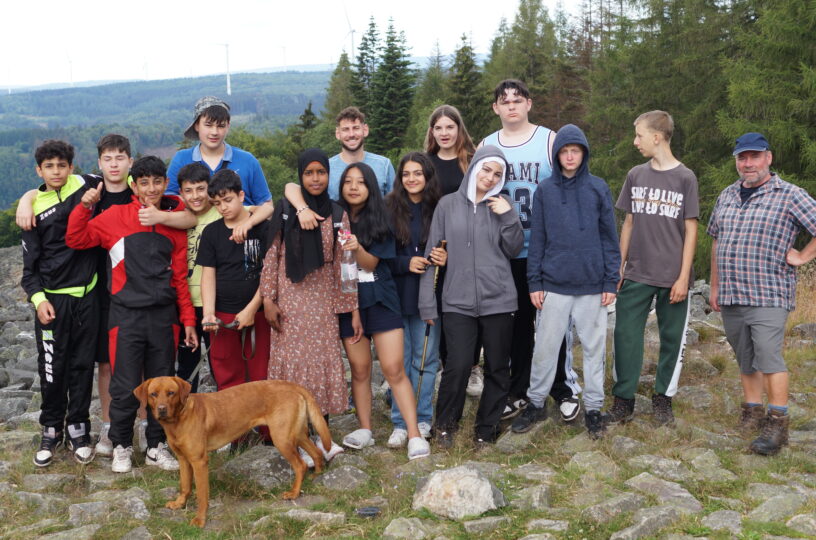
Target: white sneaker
(333,451)
(122,462)
(161,457)
(425,430)
(398,438)
(104,447)
(307,459)
(418,448)
(475,382)
(141,430)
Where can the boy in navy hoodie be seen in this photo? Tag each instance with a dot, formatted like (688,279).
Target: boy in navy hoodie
(572,271)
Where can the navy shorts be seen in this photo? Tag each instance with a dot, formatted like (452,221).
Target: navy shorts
(375,319)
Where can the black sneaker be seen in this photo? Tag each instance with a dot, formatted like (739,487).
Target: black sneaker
(530,416)
(622,411)
(82,449)
(662,407)
(569,409)
(513,408)
(595,424)
(444,439)
(50,442)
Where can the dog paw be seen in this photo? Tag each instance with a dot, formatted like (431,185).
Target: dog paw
(289,495)
(198,522)
(175,504)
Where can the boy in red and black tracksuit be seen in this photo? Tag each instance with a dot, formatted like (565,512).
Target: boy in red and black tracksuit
(60,281)
(148,287)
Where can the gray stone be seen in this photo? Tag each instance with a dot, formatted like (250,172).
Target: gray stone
(697,397)
(666,492)
(26,532)
(15,442)
(532,498)
(534,472)
(12,407)
(50,482)
(594,463)
(548,525)
(724,520)
(763,492)
(643,404)
(731,504)
(407,529)
(100,479)
(31,417)
(483,525)
(458,493)
(134,508)
(777,508)
(260,465)
(87,512)
(707,467)
(803,523)
(716,440)
(139,533)
(342,478)
(670,469)
(355,460)
(701,367)
(310,516)
(802,438)
(511,442)
(491,470)
(86,532)
(624,446)
(538,536)
(45,503)
(804,330)
(648,521)
(619,504)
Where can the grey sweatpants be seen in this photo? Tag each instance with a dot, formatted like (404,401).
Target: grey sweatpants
(589,317)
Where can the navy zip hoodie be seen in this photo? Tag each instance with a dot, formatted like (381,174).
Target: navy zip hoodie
(407,281)
(574,244)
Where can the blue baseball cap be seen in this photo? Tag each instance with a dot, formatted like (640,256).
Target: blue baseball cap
(751,141)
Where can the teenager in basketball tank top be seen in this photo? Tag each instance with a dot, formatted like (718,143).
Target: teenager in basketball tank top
(528,148)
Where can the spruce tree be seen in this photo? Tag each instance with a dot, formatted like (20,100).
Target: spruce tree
(392,90)
(368,59)
(430,93)
(467,92)
(339,95)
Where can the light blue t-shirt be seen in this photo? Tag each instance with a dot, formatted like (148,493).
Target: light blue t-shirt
(380,164)
(528,164)
(256,190)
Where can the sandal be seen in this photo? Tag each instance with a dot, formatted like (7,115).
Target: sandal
(358,439)
(418,447)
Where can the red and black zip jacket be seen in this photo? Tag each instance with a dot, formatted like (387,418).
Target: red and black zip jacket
(148,265)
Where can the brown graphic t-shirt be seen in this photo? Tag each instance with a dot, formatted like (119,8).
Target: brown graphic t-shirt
(660,202)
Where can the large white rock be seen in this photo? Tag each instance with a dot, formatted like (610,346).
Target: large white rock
(458,493)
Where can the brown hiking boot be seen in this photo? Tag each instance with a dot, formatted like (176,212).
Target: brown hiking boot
(774,434)
(752,418)
(622,411)
(662,408)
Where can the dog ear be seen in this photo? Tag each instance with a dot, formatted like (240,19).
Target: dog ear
(141,392)
(184,388)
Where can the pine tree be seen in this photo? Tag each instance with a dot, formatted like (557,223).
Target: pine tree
(339,95)
(430,93)
(308,120)
(392,90)
(368,59)
(467,92)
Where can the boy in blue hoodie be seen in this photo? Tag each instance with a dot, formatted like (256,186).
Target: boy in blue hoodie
(572,271)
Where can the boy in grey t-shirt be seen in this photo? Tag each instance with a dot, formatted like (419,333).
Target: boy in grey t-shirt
(657,244)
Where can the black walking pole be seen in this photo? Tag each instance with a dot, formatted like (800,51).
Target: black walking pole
(442,244)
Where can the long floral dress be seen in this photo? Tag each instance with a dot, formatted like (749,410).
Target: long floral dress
(307,349)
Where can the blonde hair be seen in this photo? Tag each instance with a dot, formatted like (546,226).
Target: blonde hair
(659,121)
(463,147)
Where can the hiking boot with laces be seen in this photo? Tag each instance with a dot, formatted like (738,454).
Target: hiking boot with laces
(662,408)
(528,418)
(122,459)
(49,443)
(595,424)
(161,457)
(444,439)
(82,449)
(774,434)
(622,411)
(752,418)
(569,409)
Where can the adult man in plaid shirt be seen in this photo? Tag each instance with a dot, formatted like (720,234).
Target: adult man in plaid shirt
(753,280)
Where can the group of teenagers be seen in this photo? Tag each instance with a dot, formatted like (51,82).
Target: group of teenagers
(465,256)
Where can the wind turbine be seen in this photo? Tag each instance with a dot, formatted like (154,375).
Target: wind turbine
(350,32)
(229,82)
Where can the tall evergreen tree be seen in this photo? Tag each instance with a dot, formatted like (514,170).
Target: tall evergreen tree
(368,60)
(430,93)
(392,90)
(467,92)
(339,95)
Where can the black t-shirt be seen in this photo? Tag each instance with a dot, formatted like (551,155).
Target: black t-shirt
(448,173)
(745,193)
(237,266)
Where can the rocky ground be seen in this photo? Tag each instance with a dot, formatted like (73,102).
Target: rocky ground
(694,480)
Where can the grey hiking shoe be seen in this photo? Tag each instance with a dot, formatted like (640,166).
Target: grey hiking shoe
(530,416)
(662,408)
(774,434)
(752,418)
(595,424)
(622,411)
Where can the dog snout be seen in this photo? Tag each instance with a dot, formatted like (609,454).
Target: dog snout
(162,410)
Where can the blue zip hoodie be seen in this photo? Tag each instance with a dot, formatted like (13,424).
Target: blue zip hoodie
(574,244)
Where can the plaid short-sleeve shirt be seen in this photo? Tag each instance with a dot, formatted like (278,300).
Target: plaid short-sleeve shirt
(753,239)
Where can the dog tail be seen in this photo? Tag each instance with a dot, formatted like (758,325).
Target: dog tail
(317,420)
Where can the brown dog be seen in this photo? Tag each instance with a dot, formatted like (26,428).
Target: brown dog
(198,423)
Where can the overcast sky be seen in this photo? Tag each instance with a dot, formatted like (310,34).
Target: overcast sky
(49,41)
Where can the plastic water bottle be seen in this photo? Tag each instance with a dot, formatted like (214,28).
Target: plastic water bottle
(348,266)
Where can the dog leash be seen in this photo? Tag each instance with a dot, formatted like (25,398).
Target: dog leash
(244,331)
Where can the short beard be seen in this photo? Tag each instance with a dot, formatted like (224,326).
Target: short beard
(352,150)
(761,176)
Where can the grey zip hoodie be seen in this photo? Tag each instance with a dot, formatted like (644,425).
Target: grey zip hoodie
(481,243)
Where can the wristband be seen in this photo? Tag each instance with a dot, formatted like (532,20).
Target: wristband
(299,210)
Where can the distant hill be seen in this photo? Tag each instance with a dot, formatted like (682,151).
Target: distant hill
(153,114)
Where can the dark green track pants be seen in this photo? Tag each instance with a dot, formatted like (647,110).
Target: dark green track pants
(631,312)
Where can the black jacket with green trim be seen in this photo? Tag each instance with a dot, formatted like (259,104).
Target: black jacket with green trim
(49,265)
